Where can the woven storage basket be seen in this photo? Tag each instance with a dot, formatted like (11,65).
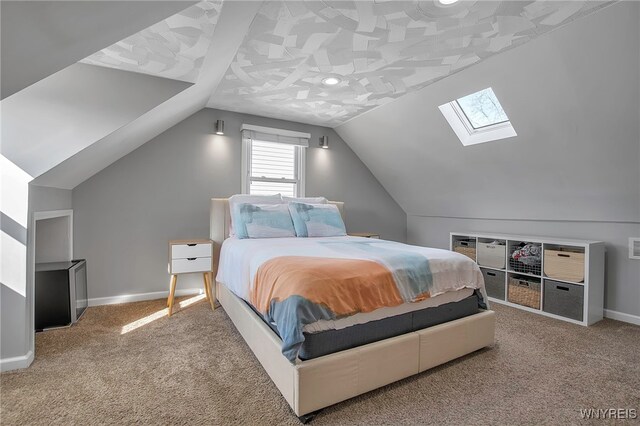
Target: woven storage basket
(567,265)
(467,251)
(524,292)
(468,248)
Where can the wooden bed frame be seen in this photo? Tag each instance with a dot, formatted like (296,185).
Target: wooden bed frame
(309,386)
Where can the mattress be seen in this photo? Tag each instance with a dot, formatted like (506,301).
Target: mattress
(331,341)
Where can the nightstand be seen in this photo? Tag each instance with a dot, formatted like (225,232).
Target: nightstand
(364,234)
(188,257)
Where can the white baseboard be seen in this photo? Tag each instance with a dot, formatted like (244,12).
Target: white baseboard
(126,298)
(621,316)
(16,362)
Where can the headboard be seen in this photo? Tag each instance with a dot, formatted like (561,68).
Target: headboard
(220,222)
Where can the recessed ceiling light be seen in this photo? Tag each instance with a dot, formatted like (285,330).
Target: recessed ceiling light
(330,81)
(447,2)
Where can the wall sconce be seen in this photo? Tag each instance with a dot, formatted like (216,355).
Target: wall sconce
(324,142)
(219,127)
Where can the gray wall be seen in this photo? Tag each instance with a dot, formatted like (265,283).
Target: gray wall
(573,96)
(42,198)
(16,322)
(52,240)
(125,214)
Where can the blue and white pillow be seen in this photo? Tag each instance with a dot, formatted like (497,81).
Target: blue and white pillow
(317,220)
(238,199)
(262,221)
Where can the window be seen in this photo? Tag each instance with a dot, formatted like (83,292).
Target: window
(482,109)
(273,163)
(478,118)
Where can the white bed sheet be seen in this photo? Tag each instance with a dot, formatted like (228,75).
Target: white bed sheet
(378,314)
(241,258)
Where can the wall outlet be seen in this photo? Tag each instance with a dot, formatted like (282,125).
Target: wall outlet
(634,248)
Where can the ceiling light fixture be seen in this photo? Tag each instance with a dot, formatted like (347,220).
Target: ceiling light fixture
(219,127)
(447,2)
(330,81)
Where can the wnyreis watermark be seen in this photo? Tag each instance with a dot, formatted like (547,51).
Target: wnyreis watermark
(608,413)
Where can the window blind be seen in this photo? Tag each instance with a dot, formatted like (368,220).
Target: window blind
(273,167)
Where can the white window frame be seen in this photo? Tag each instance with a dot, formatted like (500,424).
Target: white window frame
(300,161)
(465,131)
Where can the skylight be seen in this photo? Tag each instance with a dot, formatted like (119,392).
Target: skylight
(478,118)
(482,109)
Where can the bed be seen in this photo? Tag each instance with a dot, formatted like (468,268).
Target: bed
(343,357)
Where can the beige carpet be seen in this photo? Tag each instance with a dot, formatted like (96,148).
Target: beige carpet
(194,368)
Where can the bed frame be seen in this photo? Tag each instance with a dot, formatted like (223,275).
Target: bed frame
(311,385)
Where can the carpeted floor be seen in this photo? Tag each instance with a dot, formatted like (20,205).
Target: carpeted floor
(194,368)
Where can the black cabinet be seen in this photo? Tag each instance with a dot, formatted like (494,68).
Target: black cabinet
(60,293)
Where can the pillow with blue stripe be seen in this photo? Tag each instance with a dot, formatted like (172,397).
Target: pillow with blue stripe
(237,199)
(262,221)
(317,220)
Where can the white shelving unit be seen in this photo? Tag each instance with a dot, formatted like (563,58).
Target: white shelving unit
(592,286)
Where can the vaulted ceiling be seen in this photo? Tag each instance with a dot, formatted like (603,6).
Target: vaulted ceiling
(379,50)
(174,48)
(573,97)
(265,58)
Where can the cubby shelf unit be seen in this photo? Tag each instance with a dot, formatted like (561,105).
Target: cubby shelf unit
(591,288)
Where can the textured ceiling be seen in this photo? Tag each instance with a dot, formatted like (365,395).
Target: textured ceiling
(381,49)
(174,48)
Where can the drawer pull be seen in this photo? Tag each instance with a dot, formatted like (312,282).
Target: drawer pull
(564,255)
(491,274)
(192,245)
(191,258)
(559,287)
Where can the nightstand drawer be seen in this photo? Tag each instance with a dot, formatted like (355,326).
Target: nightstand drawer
(185,251)
(192,264)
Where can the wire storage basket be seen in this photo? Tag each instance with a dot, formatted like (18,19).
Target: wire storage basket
(525,257)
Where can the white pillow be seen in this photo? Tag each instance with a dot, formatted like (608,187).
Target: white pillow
(262,221)
(234,200)
(306,200)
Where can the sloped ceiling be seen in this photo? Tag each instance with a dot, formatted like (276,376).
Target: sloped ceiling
(233,23)
(174,48)
(39,38)
(72,124)
(268,58)
(573,97)
(380,50)
(70,110)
